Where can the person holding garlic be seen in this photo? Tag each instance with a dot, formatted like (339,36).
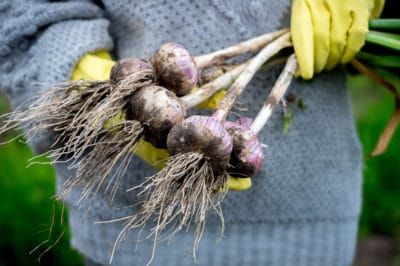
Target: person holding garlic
(303,206)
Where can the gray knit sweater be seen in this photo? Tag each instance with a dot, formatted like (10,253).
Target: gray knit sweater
(303,207)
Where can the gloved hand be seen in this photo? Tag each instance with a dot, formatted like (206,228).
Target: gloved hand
(375,8)
(97,66)
(328,32)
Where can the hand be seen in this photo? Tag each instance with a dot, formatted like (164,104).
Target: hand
(93,66)
(375,8)
(211,102)
(97,66)
(328,32)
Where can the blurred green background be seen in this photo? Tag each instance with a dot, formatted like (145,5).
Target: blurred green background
(27,208)
(372,107)
(28,214)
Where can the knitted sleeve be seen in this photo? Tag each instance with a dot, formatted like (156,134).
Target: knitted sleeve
(41,41)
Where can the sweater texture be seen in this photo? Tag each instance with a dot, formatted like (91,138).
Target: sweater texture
(304,205)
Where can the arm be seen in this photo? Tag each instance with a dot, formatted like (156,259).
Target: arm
(40,43)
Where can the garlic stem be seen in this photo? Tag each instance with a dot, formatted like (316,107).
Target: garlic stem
(275,95)
(238,86)
(209,89)
(252,45)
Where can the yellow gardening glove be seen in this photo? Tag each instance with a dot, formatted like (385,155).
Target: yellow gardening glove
(94,66)
(97,66)
(211,102)
(239,183)
(375,8)
(328,32)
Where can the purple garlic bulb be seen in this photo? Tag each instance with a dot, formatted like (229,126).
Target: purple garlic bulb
(158,109)
(247,154)
(176,68)
(204,135)
(127,66)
